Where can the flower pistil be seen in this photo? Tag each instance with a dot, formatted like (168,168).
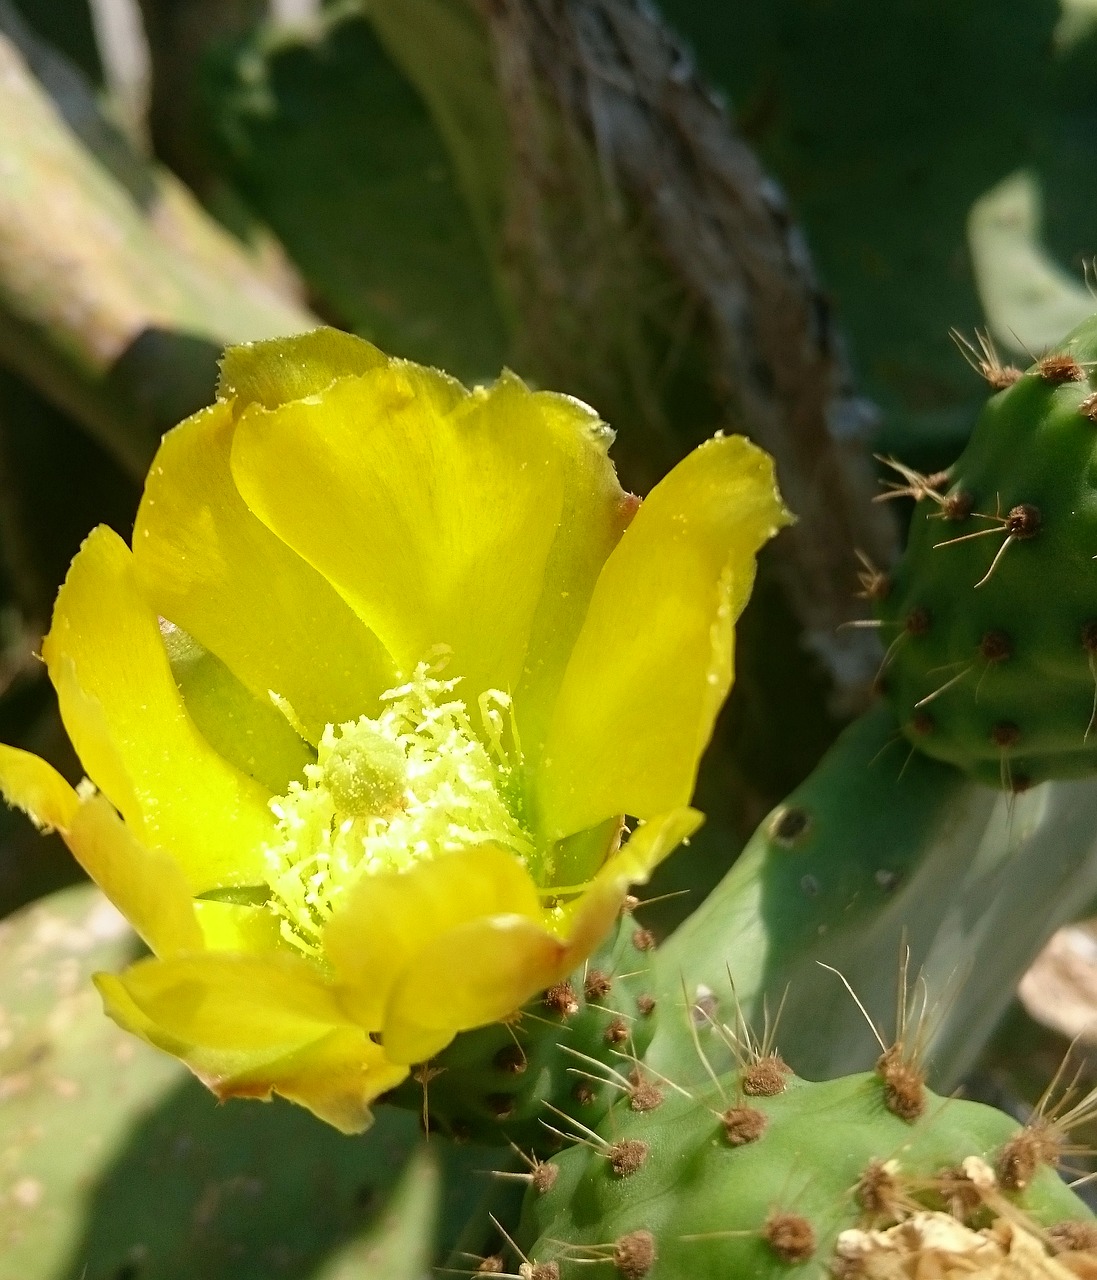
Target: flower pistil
(415,783)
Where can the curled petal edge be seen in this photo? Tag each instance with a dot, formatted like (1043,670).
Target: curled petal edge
(487,968)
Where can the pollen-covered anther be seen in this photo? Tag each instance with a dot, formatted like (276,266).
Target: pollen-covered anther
(634,1254)
(366,773)
(418,782)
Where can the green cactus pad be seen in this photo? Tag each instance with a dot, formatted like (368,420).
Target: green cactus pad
(991,616)
(728,1182)
(492,1084)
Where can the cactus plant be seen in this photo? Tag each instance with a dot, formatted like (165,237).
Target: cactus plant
(762,1174)
(990,616)
(549,185)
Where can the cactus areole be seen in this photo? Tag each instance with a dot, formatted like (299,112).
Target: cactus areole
(990,618)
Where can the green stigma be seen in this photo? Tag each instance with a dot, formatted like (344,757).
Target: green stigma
(416,783)
(365,771)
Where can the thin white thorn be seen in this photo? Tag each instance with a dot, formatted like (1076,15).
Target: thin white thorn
(1093,713)
(966,537)
(578,1124)
(947,685)
(594,1062)
(503,1232)
(857,1001)
(994,563)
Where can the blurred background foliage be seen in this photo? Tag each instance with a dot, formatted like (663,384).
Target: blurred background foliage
(766,222)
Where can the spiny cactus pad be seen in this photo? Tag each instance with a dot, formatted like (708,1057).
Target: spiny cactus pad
(991,616)
(734,1183)
(492,1084)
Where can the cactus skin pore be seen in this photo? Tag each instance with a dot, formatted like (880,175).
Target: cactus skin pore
(991,615)
(727,1184)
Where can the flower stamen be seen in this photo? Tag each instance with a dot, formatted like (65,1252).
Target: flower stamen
(413,784)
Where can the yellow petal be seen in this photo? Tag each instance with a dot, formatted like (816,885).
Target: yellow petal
(653,662)
(385,921)
(145,884)
(29,783)
(127,721)
(430,509)
(205,562)
(334,1071)
(467,977)
(249,732)
(594,515)
(233,926)
(280,369)
(232,1001)
(336,1078)
(483,969)
(587,920)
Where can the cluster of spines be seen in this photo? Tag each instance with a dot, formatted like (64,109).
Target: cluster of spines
(968,1190)
(1022,522)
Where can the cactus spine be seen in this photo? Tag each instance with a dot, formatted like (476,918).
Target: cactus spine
(762,1174)
(991,615)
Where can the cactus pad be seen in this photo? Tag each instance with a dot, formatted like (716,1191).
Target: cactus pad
(806,1181)
(991,616)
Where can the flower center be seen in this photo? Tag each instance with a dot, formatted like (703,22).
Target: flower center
(416,783)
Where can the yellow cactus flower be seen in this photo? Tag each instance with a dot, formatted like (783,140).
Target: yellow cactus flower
(363,710)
